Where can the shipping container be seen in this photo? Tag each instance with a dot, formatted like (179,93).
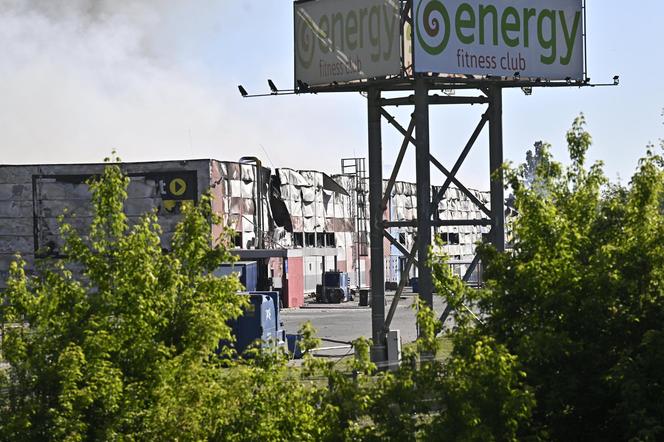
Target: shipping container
(247,272)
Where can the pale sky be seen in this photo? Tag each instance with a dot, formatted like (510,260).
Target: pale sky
(157,80)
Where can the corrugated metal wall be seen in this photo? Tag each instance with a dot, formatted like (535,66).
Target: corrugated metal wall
(235,190)
(32,197)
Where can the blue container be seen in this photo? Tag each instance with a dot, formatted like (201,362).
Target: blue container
(247,272)
(415,284)
(337,287)
(259,323)
(274,296)
(336,279)
(332,279)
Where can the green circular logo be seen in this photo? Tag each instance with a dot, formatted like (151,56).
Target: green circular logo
(305,41)
(430,22)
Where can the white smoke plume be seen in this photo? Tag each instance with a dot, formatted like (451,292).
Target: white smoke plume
(79,78)
(85,73)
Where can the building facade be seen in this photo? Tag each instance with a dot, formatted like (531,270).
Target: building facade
(296,224)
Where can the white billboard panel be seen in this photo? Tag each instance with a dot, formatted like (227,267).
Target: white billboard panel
(345,40)
(538,39)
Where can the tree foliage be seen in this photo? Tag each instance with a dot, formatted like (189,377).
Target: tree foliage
(117,336)
(120,340)
(579,301)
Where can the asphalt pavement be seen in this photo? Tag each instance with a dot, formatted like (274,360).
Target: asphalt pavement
(342,323)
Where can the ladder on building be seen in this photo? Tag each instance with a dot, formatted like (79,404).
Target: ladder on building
(356,169)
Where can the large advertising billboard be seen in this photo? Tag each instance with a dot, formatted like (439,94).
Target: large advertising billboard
(345,40)
(537,39)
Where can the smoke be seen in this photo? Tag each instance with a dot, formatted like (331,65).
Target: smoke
(81,77)
(156,80)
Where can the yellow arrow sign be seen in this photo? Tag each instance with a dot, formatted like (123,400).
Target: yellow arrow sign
(178,187)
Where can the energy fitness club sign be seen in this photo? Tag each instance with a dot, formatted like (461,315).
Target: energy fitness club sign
(538,39)
(346,40)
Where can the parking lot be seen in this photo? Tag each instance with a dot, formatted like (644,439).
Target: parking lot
(346,322)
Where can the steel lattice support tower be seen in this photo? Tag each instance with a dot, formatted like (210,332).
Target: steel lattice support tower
(420,91)
(417,134)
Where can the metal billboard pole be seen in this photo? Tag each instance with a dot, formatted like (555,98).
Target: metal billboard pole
(376,209)
(423,189)
(495,164)
(417,134)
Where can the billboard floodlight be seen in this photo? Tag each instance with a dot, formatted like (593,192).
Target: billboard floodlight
(273,91)
(303,88)
(616,82)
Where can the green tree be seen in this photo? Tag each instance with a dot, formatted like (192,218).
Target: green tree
(566,341)
(476,393)
(483,387)
(118,335)
(579,300)
(118,340)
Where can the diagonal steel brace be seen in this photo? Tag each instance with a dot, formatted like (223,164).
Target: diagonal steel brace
(437,163)
(402,284)
(397,165)
(398,245)
(441,192)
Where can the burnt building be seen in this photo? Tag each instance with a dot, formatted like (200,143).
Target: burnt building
(295,224)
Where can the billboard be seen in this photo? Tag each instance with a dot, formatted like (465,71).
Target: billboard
(537,39)
(346,40)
